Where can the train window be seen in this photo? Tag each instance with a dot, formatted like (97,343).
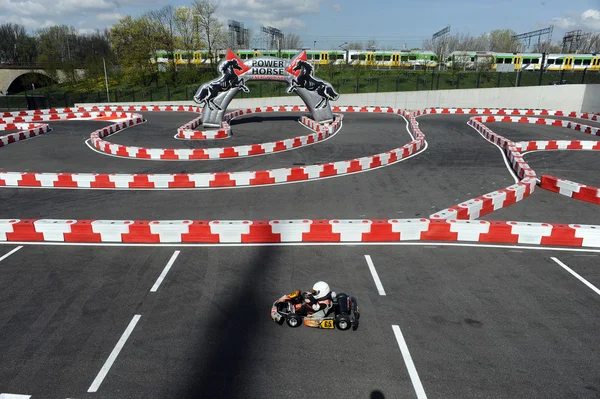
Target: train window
(585,62)
(317,56)
(362,57)
(378,57)
(340,56)
(387,58)
(578,62)
(499,60)
(550,62)
(404,58)
(412,57)
(354,57)
(526,60)
(535,60)
(558,61)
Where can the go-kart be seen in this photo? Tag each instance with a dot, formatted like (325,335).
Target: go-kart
(343,314)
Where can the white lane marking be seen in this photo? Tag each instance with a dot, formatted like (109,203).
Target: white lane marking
(577,276)
(510,169)
(374,274)
(13,396)
(308,244)
(412,371)
(165,271)
(113,355)
(6,256)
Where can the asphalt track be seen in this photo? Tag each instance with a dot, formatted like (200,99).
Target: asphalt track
(504,322)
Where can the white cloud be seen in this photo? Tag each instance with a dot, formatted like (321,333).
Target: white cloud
(588,20)
(109,17)
(337,7)
(281,14)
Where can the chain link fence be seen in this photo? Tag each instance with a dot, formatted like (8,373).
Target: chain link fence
(367,81)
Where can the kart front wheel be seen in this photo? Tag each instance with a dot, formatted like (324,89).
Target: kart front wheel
(342,322)
(294,321)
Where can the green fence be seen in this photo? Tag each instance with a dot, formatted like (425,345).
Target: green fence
(366,81)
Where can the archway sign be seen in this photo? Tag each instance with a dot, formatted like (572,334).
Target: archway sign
(216,95)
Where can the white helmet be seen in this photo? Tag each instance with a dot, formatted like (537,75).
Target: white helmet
(321,289)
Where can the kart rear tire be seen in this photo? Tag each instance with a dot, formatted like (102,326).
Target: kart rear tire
(342,322)
(294,321)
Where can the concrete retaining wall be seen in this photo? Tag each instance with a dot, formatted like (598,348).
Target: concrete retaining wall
(580,98)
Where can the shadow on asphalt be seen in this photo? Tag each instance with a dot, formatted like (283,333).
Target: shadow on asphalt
(259,119)
(233,328)
(377,395)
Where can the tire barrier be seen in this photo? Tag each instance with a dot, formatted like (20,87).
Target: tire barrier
(297,231)
(26,131)
(212,180)
(571,189)
(195,154)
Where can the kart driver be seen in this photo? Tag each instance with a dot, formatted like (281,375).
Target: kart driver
(319,300)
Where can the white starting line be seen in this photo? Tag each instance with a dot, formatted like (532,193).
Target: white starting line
(165,271)
(113,355)
(577,276)
(375,275)
(1,259)
(412,371)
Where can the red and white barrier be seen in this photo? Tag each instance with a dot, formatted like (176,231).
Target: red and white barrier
(507,112)
(571,189)
(289,231)
(26,131)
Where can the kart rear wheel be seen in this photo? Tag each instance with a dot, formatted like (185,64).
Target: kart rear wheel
(342,322)
(293,321)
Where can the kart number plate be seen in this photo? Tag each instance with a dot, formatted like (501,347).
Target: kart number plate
(327,324)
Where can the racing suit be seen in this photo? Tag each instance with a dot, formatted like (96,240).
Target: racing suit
(312,305)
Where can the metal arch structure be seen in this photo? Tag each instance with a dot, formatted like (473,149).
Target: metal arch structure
(297,72)
(574,39)
(536,33)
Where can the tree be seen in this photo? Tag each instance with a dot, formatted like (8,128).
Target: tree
(211,30)
(546,47)
(354,46)
(166,23)
(291,41)
(11,37)
(501,40)
(135,43)
(371,44)
(184,26)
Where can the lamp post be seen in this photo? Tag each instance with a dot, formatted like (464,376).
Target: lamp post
(314,44)
(106,81)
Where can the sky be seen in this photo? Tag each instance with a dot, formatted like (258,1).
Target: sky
(330,23)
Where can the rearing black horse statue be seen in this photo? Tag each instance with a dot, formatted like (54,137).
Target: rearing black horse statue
(307,81)
(228,80)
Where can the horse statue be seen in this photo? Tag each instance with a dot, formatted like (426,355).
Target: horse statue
(307,81)
(228,80)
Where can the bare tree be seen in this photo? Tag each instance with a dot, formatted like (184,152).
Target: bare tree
(354,46)
(591,44)
(166,22)
(184,26)
(210,28)
(371,44)
(291,41)
(546,47)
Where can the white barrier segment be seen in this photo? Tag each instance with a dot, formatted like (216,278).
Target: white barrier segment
(121,181)
(242,178)
(84,180)
(280,175)
(530,233)
(243,150)
(590,234)
(155,153)
(268,147)
(473,207)
(52,229)
(183,153)
(498,198)
(588,145)
(201,179)
(11,178)
(161,181)
(111,230)
(132,151)
(213,153)
(351,230)
(290,230)
(567,187)
(46,179)
(313,171)
(170,230)
(230,230)
(409,229)
(341,167)
(469,230)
